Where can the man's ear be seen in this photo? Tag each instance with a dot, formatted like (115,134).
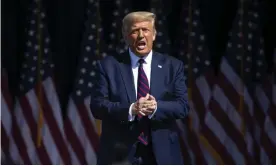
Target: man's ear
(154,34)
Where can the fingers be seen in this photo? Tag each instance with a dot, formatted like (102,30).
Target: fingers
(141,113)
(151,97)
(145,105)
(145,112)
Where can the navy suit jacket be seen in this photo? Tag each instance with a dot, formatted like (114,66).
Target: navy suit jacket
(114,92)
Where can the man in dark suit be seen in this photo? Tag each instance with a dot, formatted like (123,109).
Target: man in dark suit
(139,96)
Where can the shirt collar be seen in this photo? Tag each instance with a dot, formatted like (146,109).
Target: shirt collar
(135,59)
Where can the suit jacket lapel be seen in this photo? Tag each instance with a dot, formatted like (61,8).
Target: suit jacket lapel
(157,75)
(127,76)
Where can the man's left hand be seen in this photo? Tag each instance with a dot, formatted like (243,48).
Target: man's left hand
(151,105)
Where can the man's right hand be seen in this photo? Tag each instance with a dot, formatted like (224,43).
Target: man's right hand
(141,105)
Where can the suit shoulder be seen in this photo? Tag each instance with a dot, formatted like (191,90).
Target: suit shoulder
(169,58)
(107,59)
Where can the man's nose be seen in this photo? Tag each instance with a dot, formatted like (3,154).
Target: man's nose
(140,34)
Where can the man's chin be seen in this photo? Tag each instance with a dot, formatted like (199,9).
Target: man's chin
(142,52)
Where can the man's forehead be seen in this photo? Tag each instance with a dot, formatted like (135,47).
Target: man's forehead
(141,24)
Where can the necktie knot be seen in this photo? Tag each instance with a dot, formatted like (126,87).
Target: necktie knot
(141,61)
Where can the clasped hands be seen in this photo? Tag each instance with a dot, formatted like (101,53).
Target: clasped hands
(144,106)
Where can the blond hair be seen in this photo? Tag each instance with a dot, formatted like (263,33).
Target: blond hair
(138,16)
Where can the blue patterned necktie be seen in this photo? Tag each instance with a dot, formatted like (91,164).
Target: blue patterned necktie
(142,90)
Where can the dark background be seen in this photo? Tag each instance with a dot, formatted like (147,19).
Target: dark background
(66,20)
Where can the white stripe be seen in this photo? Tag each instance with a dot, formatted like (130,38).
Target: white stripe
(270,129)
(248,100)
(195,119)
(264,158)
(15,156)
(74,159)
(53,100)
(231,76)
(90,116)
(51,95)
(227,107)
(75,122)
(262,99)
(204,89)
(90,155)
(238,85)
(183,134)
(46,135)
(208,157)
(80,132)
(217,129)
(249,143)
(26,133)
(6,116)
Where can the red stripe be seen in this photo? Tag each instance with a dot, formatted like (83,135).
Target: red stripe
(229,128)
(194,144)
(184,149)
(272,113)
(5,92)
(269,147)
(234,98)
(53,125)
(28,115)
(74,141)
(15,132)
(5,142)
(88,126)
(143,75)
(143,140)
(143,90)
(217,145)
(20,144)
(201,111)
(267,87)
(264,140)
(144,85)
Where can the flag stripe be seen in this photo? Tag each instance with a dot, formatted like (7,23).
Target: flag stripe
(201,93)
(4,139)
(19,141)
(215,142)
(89,128)
(28,115)
(51,121)
(75,142)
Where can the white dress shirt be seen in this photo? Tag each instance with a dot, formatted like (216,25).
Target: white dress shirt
(147,70)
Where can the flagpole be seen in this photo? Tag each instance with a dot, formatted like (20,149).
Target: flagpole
(98,54)
(241,102)
(202,138)
(39,77)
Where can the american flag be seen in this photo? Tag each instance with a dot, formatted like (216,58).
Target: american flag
(117,43)
(162,42)
(80,125)
(265,101)
(196,58)
(6,117)
(231,105)
(37,109)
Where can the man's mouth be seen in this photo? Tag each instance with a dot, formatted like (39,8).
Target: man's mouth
(141,45)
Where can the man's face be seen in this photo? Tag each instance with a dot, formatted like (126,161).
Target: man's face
(140,37)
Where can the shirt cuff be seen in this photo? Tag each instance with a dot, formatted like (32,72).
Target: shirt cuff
(130,116)
(150,116)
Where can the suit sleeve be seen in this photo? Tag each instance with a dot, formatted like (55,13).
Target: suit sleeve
(177,106)
(101,106)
